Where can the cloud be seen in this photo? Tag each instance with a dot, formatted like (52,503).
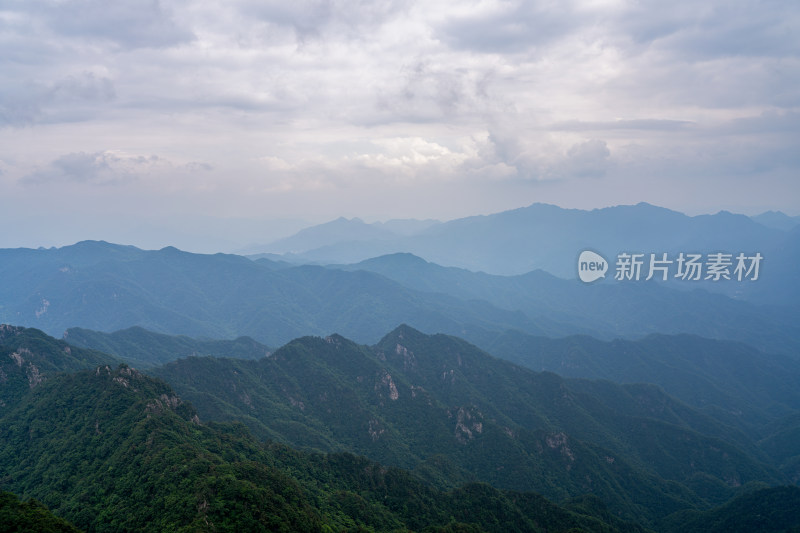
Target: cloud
(510,27)
(74,97)
(128,24)
(109,168)
(98,168)
(717,29)
(774,122)
(644,124)
(587,159)
(429,92)
(263,99)
(86,86)
(547,159)
(314,19)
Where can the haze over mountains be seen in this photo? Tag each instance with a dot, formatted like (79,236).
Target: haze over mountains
(669,406)
(109,287)
(540,236)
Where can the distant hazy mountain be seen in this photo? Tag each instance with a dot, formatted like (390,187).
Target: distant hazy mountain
(407,226)
(606,308)
(777,220)
(343,230)
(334,232)
(107,287)
(547,237)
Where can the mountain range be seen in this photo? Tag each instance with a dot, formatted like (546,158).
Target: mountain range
(751,392)
(539,236)
(116,450)
(122,449)
(778,220)
(218,392)
(108,287)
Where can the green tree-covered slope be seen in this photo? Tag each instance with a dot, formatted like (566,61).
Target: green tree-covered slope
(29,517)
(453,413)
(114,450)
(29,356)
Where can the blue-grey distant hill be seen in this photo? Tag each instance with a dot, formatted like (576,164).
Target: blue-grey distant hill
(539,236)
(777,220)
(107,287)
(549,238)
(612,309)
(343,230)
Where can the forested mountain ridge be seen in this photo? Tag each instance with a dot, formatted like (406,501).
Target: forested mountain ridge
(453,413)
(731,380)
(115,450)
(120,449)
(29,517)
(28,357)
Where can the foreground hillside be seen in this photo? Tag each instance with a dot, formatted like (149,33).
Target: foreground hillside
(28,356)
(454,414)
(116,450)
(29,517)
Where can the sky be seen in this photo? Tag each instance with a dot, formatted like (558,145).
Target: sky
(210,125)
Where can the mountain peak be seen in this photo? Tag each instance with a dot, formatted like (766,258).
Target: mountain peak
(399,259)
(403,332)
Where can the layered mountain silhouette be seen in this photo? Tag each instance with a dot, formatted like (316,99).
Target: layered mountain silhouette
(108,287)
(513,397)
(540,236)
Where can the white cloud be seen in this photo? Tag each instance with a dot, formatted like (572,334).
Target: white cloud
(345,99)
